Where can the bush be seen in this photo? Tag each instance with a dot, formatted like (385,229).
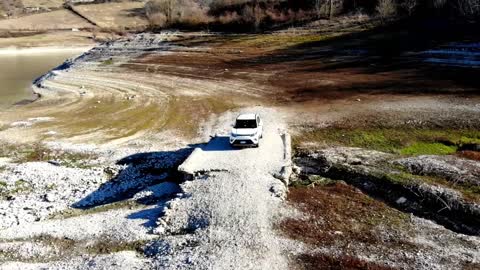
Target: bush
(410,6)
(169,12)
(469,8)
(387,8)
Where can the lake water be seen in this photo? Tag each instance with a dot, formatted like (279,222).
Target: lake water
(17,71)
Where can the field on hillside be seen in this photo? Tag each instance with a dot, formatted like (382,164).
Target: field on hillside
(114,15)
(51,4)
(55,20)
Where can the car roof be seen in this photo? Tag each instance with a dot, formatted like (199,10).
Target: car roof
(247,116)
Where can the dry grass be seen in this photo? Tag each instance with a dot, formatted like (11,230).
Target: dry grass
(326,262)
(129,15)
(50,4)
(56,20)
(38,152)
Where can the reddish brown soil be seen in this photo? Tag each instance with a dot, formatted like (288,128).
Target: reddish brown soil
(470,155)
(320,261)
(340,216)
(337,208)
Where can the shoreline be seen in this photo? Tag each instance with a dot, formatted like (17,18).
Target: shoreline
(39,51)
(12,51)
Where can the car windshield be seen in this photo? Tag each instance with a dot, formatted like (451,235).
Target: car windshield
(246,124)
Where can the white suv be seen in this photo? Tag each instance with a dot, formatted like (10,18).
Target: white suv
(247,131)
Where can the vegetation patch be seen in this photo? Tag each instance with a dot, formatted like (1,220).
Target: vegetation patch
(399,141)
(312,181)
(423,148)
(75,212)
(341,215)
(3,189)
(39,152)
(108,247)
(107,62)
(323,261)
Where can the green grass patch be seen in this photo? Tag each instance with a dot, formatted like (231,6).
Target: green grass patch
(21,186)
(107,62)
(3,189)
(391,140)
(312,180)
(423,148)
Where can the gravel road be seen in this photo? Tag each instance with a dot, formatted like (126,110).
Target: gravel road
(225,218)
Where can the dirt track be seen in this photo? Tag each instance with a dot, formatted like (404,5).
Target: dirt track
(230,205)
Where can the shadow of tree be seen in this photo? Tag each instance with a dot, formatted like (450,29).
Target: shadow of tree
(140,171)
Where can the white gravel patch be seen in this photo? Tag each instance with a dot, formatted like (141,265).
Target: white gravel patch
(38,189)
(118,225)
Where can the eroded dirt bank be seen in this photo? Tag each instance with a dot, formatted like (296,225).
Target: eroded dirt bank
(102,147)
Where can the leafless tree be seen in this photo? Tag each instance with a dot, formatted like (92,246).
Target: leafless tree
(386,8)
(468,8)
(410,6)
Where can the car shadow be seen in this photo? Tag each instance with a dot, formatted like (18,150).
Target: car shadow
(219,143)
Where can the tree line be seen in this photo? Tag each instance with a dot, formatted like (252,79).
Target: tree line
(264,13)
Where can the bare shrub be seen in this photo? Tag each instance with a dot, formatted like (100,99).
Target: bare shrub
(439,3)
(386,8)
(156,7)
(229,17)
(254,15)
(157,19)
(166,12)
(468,8)
(410,6)
(190,12)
